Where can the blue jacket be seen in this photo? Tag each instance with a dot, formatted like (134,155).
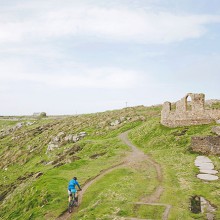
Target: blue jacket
(72,184)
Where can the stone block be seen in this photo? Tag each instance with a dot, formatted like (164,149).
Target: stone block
(206,145)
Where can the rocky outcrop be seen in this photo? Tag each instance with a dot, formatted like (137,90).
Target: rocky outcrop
(52,146)
(115,123)
(18,126)
(122,119)
(63,138)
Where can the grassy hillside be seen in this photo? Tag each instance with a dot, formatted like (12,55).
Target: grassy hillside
(34,178)
(171,148)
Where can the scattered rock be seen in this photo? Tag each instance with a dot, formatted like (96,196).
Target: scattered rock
(75,138)
(18,125)
(10,130)
(28,123)
(55,140)
(61,134)
(68,137)
(60,139)
(115,123)
(142,118)
(52,147)
(82,134)
(122,119)
(216,130)
(58,164)
(26,176)
(95,156)
(218,121)
(37,175)
(49,163)
(15,138)
(31,148)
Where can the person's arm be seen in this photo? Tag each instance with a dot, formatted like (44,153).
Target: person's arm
(69,187)
(78,185)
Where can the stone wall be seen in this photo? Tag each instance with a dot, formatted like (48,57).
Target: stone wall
(188,112)
(206,145)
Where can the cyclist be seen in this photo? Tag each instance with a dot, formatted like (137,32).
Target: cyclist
(72,190)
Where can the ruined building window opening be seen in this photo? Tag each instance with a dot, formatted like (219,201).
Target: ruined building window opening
(188,103)
(173,107)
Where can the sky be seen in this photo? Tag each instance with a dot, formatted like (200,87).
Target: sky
(74,57)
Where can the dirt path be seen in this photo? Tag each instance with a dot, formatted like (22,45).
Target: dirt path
(133,159)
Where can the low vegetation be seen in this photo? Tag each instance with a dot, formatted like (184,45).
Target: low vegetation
(34,180)
(170,147)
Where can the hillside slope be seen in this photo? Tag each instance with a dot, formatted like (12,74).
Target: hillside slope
(40,156)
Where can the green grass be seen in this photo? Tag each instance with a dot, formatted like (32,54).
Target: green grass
(172,152)
(113,195)
(48,194)
(7,123)
(142,211)
(46,197)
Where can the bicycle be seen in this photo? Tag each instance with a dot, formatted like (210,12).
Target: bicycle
(73,202)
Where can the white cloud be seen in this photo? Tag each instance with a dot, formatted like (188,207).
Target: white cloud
(78,77)
(114,24)
(110,78)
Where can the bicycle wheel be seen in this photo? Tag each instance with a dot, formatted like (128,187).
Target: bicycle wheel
(75,203)
(70,206)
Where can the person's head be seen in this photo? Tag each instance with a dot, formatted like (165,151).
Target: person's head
(75,178)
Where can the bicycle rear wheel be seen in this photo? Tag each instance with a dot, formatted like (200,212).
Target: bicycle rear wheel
(75,203)
(70,206)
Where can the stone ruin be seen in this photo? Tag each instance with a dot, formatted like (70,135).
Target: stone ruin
(188,112)
(208,145)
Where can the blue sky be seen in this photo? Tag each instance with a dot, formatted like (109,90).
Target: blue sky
(67,57)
